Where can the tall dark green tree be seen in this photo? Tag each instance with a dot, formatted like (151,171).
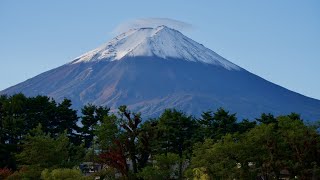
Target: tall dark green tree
(6,150)
(13,118)
(3,99)
(267,118)
(208,125)
(245,125)
(147,142)
(176,133)
(295,116)
(226,123)
(21,114)
(66,120)
(41,109)
(91,116)
(88,121)
(217,124)
(11,126)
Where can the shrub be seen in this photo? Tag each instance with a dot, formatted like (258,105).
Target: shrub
(62,174)
(5,172)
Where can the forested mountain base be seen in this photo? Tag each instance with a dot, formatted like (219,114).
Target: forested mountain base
(43,139)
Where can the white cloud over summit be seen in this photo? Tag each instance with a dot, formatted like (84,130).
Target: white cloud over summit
(152,22)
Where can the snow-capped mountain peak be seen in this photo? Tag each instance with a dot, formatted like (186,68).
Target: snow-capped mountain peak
(161,41)
(149,70)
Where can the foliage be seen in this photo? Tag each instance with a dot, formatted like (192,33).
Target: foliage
(175,132)
(113,149)
(5,172)
(129,122)
(42,150)
(20,114)
(162,167)
(217,160)
(147,142)
(26,172)
(106,173)
(62,174)
(266,151)
(303,146)
(214,125)
(107,131)
(118,138)
(7,158)
(115,157)
(267,118)
(37,133)
(92,115)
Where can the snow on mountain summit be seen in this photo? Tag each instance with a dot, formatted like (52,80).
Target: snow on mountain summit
(161,41)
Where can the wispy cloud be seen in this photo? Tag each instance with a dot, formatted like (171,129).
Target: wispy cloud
(152,22)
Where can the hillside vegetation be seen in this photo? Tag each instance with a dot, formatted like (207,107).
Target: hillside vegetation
(43,139)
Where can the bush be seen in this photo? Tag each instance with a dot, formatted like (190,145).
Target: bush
(26,172)
(108,173)
(62,174)
(163,167)
(5,172)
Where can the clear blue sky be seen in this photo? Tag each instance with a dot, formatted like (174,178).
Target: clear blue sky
(277,40)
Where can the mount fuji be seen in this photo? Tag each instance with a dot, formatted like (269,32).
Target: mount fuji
(151,69)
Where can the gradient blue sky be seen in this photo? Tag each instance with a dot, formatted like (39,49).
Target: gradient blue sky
(277,40)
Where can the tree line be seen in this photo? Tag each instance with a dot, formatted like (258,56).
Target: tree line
(43,139)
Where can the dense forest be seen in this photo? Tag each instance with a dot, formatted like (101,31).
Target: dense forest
(44,139)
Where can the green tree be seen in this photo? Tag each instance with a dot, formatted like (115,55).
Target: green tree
(162,167)
(226,123)
(62,174)
(208,125)
(264,151)
(91,116)
(216,160)
(13,115)
(41,110)
(217,124)
(245,125)
(7,158)
(12,128)
(123,137)
(88,121)
(3,100)
(147,142)
(130,122)
(303,146)
(176,133)
(112,144)
(107,131)
(295,116)
(267,118)
(66,119)
(40,151)
(263,146)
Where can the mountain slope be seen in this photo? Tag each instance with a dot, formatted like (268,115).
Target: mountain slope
(151,69)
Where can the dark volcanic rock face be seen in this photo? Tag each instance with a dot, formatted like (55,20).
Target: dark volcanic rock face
(151,84)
